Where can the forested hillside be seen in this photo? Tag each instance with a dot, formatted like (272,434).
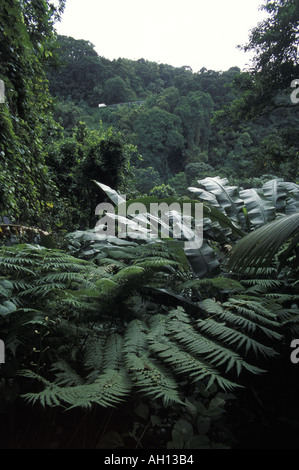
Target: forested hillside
(173,123)
(138,337)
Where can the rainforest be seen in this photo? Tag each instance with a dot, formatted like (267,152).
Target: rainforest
(109,340)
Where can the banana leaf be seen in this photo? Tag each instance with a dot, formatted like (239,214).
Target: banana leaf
(259,211)
(292,203)
(209,211)
(292,188)
(203,261)
(275,193)
(111,193)
(214,214)
(292,207)
(227,197)
(207,197)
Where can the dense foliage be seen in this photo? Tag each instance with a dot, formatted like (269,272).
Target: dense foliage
(146,341)
(182,122)
(27,41)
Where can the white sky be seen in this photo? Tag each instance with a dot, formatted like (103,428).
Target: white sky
(198,33)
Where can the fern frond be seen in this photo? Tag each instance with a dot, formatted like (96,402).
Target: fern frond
(6,267)
(252,308)
(268,283)
(234,319)
(209,349)
(41,290)
(233,337)
(199,354)
(65,374)
(184,363)
(136,337)
(146,373)
(93,357)
(128,272)
(113,355)
(156,263)
(220,283)
(151,378)
(109,389)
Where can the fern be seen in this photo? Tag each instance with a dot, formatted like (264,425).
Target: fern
(232,337)
(216,354)
(108,390)
(65,374)
(100,331)
(150,355)
(113,355)
(185,363)
(93,354)
(151,378)
(146,373)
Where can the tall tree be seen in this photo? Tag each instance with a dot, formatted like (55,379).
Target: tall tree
(275,64)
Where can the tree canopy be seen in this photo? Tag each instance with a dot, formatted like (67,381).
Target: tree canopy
(275,63)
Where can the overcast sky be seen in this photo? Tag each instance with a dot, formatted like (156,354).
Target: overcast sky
(198,33)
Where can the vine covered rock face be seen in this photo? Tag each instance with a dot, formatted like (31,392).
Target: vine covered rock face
(25,120)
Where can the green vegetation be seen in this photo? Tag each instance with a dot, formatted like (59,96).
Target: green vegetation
(138,342)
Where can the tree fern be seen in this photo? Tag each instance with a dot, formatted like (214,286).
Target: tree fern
(150,355)
(151,378)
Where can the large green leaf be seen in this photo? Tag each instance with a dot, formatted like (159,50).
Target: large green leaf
(203,261)
(259,211)
(275,193)
(207,197)
(111,193)
(227,197)
(257,249)
(6,308)
(292,203)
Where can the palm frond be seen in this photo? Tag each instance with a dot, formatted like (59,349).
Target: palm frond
(257,249)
